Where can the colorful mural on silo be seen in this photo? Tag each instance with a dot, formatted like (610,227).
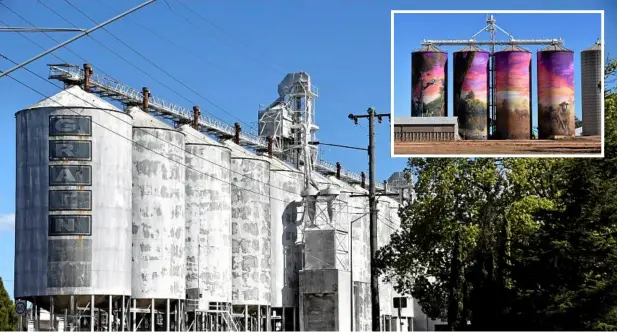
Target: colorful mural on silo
(471,92)
(555,93)
(429,83)
(513,93)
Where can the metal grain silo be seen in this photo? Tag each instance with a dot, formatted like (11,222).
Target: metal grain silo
(73,205)
(286,185)
(513,93)
(429,82)
(251,235)
(555,92)
(208,223)
(592,94)
(159,262)
(471,92)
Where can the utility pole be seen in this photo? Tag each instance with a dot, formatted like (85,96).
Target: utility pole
(375,316)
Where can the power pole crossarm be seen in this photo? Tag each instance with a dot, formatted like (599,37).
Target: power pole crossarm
(374,246)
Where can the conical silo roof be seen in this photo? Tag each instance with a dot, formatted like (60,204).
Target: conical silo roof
(555,48)
(142,119)
(74,97)
(429,48)
(239,152)
(596,47)
(196,137)
(514,48)
(471,48)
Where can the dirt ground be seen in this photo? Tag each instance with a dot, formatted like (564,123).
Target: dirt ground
(576,145)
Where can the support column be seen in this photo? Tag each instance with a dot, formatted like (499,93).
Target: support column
(123,314)
(177,316)
(91,313)
(167,315)
(268,318)
(246,318)
(283,328)
(152,315)
(66,320)
(134,315)
(109,314)
(52,316)
(259,318)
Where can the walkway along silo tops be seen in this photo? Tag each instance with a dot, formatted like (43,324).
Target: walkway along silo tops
(251,238)
(555,92)
(471,92)
(73,207)
(208,231)
(429,82)
(159,262)
(592,94)
(513,93)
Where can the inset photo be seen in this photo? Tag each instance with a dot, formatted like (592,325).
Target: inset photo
(497,84)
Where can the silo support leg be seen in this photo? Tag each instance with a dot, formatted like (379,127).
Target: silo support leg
(91,313)
(123,314)
(259,322)
(134,322)
(167,318)
(52,316)
(152,315)
(246,318)
(109,314)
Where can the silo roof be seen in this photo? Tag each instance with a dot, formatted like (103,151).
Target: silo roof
(196,137)
(596,47)
(279,165)
(74,97)
(429,48)
(142,119)
(239,152)
(471,48)
(514,48)
(555,48)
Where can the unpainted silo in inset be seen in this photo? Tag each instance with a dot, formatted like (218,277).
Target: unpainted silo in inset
(286,185)
(513,93)
(555,92)
(73,205)
(208,221)
(592,94)
(471,92)
(250,232)
(429,82)
(159,268)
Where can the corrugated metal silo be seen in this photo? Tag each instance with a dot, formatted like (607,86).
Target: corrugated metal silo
(73,203)
(429,82)
(287,184)
(513,93)
(592,94)
(159,262)
(555,92)
(471,91)
(208,221)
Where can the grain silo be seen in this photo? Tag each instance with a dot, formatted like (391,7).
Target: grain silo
(360,261)
(555,92)
(73,207)
(250,234)
(208,230)
(286,185)
(471,92)
(592,94)
(384,229)
(429,82)
(513,93)
(159,262)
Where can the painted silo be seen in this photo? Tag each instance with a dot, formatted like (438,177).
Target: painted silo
(73,202)
(159,262)
(286,185)
(471,91)
(208,220)
(513,93)
(429,82)
(250,228)
(592,94)
(555,92)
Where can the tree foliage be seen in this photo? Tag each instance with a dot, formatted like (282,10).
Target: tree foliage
(523,244)
(8,318)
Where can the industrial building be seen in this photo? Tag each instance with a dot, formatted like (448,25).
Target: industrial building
(147,216)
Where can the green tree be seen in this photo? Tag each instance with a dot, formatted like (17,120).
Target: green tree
(8,318)
(578,122)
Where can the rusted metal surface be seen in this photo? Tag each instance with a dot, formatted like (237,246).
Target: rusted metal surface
(513,93)
(429,83)
(471,93)
(555,93)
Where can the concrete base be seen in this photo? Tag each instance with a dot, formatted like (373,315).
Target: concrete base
(324,300)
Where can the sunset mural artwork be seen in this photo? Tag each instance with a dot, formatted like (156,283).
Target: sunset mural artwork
(429,83)
(513,87)
(471,93)
(555,94)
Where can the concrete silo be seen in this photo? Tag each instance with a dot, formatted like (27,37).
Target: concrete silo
(360,262)
(592,94)
(251,238)
(208,230)
(286,185)
(513,93)
(159,262)
(73,207)
(555,92)
(471,92)
(429,82)
(384,229)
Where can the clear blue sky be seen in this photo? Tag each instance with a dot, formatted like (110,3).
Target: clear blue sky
(343,45)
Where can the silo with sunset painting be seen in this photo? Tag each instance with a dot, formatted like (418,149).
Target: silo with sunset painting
(429,82)
(513,93)
(555,92)
(471,68)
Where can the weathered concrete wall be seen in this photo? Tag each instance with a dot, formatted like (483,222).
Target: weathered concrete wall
(385,227)
(251,229)
(208,220)
(158,209)
(362,306)
(324,300)
(87,248)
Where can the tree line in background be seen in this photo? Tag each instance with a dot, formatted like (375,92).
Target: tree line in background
(513,244)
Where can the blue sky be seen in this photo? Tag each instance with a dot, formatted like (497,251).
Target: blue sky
(343,45)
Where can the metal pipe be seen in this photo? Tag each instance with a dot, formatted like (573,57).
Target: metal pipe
(338,170)
(35,29)
(237,133)
(87,74)
(196,114)
(75,38)
(363,176)
(145,102)
(463,42)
